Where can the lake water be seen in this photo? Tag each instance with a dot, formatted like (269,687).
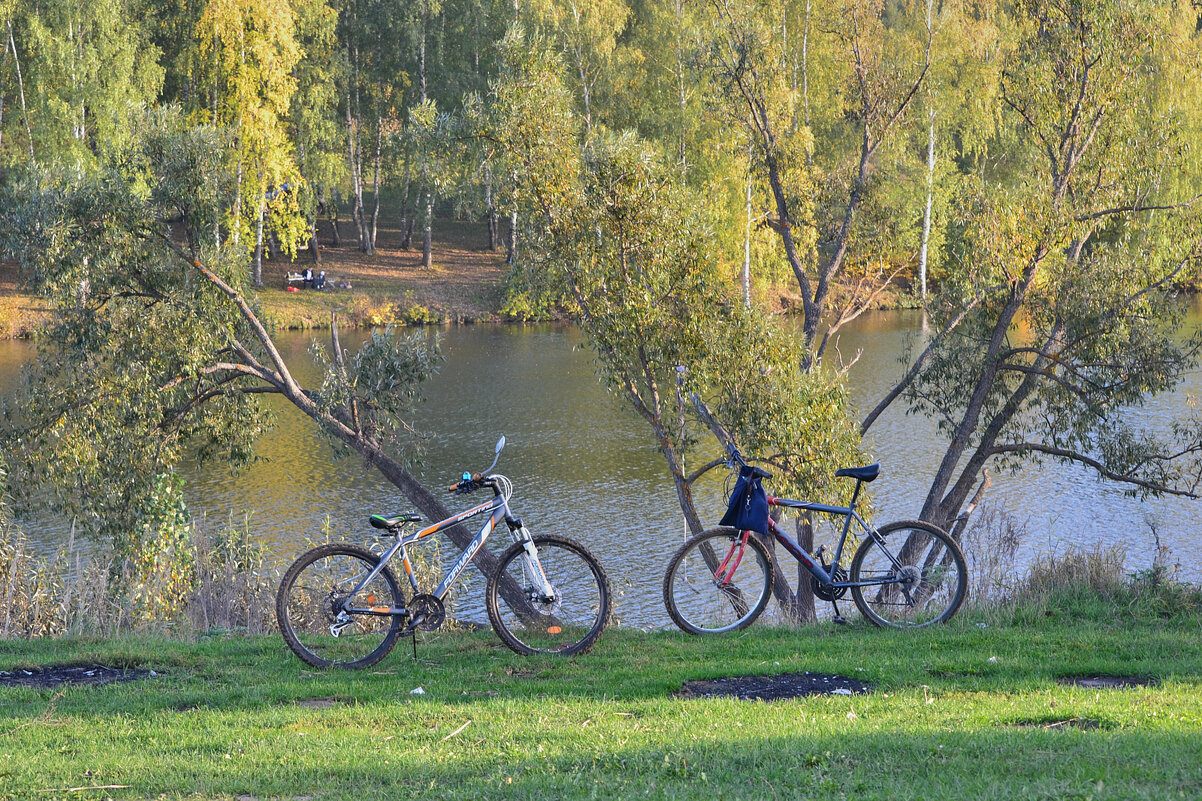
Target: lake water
(584,465)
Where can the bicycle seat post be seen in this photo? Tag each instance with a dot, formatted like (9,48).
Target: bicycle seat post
(855,495)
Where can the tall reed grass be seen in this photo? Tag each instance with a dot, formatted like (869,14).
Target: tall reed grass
(220,580)
(217,579)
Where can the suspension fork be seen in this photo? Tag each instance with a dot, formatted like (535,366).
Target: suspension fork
(534,567)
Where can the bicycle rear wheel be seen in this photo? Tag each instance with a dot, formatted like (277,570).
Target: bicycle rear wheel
(570,619)
(918,572)
(312,595)
(718,581)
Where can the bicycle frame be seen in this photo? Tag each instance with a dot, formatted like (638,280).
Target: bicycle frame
(803,556)
(499,508)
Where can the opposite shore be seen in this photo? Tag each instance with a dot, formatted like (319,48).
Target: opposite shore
(465,285)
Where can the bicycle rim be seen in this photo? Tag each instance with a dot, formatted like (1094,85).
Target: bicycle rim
(719,581)
(921,573)
(570,619)
(314,591)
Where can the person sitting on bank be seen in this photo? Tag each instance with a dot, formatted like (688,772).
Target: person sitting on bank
(320,282)
(308,283)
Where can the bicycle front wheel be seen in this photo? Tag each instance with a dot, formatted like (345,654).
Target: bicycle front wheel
(566,614)
(311,608)
(718,581)
(913,575)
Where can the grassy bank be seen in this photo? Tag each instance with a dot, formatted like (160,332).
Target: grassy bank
(976,709)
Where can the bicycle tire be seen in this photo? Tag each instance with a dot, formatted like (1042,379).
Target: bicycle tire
(307,597)
(933,581)
(698,603)
(571,622)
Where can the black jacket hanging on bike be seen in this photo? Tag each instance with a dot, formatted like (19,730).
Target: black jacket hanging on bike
(748,509)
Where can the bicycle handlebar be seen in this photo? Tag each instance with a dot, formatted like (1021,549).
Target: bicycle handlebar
(469,483)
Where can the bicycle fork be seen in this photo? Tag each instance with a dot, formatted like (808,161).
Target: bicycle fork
(532,567)
(725,573)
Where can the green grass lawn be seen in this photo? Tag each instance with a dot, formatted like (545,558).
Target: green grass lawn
(971,710)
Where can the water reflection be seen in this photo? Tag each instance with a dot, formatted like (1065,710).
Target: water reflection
(585,466)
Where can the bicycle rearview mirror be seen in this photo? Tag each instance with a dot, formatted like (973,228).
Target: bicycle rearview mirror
(500,445)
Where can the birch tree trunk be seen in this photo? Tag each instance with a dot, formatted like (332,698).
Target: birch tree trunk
(12,43)
(257,275)
(491,210)
(926,217)
(375,212)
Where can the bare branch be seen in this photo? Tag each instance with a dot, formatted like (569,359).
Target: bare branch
(1102,469)
(244,307)
(916,368)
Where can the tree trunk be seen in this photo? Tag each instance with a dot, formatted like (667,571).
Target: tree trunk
(490,209)
(336,235)
(511,257)
(926,217)
(375,212)
(405,216)
(314,245)
(257,275)
(12,43)
(427,234)
(354,154)
(805,582)
(3,64)
(240,175)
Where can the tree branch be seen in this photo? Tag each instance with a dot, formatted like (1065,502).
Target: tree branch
(1103,470)
(916,368)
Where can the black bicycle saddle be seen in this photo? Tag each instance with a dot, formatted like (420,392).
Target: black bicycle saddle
(866,473)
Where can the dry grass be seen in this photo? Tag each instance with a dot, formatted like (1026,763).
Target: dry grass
(72,592)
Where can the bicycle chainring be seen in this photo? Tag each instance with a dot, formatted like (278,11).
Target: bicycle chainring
(426,612)
(827,593)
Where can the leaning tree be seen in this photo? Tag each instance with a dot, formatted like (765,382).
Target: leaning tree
(155,348)
(629,247)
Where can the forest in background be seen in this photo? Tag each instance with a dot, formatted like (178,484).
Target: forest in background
(885,109)
(1025,170)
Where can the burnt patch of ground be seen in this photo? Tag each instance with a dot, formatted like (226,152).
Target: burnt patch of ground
(55,675)
(1107,682)
(772,688)
(1063,724)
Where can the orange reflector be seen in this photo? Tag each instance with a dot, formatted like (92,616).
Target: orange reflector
(554,630)
(371,597)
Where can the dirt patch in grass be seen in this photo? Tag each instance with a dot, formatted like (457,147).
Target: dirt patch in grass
(771,688)
(55,675)
(319,703)
(1107,682)
(1062,724)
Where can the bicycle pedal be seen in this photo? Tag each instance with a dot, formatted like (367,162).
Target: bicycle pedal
(839,620)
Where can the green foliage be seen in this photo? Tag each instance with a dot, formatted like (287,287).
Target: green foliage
(1075,258)
(87,69)
(157,559)
(628,242)
(381,382)
(152,350)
